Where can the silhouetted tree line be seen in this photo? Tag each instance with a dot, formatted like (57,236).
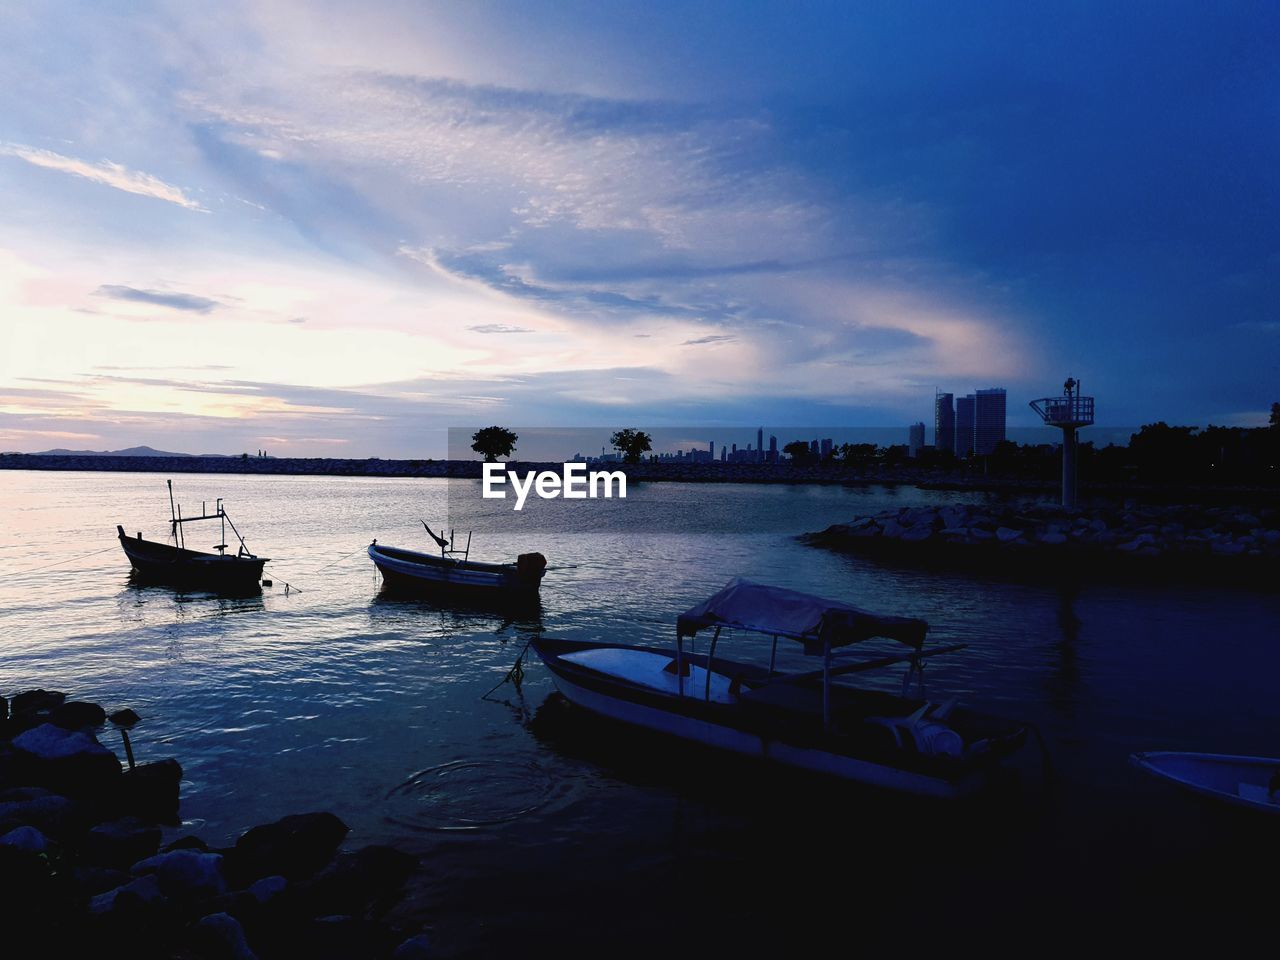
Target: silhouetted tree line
(1157,453)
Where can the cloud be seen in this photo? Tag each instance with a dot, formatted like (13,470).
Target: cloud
(499,328)
(715,338)
(107,173)
(159,298)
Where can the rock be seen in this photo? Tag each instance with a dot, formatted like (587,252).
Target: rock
(96,880)
(356,880)
(293,847)
(1007,534)
(144,891)
(27,839)
(71,762)
(35,702)
(120,843)
(124,718)
(892,529)
(268,888)
(1226,548)
(1053,539)
(220,936)
(151,790)
(415,948)
(188,842)
(52,815)
(185,874)
(978,534)
(917,534)
(77,714)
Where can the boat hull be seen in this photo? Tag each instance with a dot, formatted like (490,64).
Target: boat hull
(723,724)
(1244,782)
(409,571)
(162,563)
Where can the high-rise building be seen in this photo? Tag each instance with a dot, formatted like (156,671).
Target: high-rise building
(944,422)
(760,444)
(988,420)
(915,439)
(964,425)
(825,448)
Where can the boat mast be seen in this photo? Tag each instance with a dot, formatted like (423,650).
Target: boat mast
(173,514)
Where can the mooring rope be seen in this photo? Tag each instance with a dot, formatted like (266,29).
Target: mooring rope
(515,674)
(290,588)
(61,562)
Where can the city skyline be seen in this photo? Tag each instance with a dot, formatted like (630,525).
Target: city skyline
(338,231)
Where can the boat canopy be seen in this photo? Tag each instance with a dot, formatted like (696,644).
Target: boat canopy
(814,621)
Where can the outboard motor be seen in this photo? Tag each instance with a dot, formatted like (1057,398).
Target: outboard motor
(531,567)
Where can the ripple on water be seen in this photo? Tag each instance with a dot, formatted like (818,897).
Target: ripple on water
(464,795)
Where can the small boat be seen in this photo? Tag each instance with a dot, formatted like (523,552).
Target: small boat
(802,720)
(454,572)
(1252,782)
(175,565)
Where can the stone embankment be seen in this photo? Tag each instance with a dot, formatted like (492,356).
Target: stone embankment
(648,471)
(1218,543)
(85,868)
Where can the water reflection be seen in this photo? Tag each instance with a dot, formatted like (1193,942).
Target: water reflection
(389,610)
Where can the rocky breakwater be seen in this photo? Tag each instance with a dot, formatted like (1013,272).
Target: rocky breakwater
(91,862)
(1195,542)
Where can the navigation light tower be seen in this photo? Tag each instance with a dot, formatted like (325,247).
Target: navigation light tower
(1068,413)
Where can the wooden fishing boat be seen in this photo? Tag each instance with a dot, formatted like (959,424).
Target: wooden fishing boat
(453,572)
(1252,782)
(174,564)
(802,720)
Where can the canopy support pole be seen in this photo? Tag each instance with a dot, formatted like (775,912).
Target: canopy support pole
(826,685)
(710,654)
(680,663)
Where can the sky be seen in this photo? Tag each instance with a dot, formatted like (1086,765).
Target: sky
(335,229)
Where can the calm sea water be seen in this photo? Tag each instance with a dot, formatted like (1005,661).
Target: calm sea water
(545,831)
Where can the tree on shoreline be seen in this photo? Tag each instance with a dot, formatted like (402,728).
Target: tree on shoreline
(798,451)
(494,442)
(631,444)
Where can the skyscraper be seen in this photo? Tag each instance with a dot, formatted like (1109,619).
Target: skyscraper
(964,425)
(988,420)
(915,439)
(944,422)
(760,444)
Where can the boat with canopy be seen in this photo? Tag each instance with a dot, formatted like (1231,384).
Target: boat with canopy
(176,565)
(804,719)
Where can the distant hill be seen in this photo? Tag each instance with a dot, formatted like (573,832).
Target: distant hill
(129,452)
